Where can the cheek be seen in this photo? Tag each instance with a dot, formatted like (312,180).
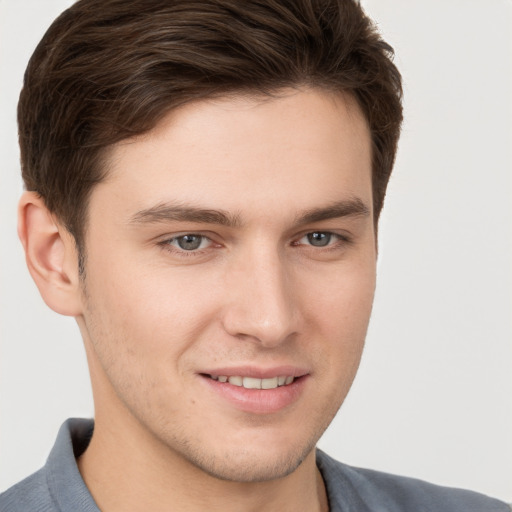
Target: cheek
(340,313)
(342,300)
(145,326)
(139,332)
(147,301)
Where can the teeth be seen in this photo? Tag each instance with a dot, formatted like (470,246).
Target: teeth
(250,383)
(253,383)
(269,383)
(236,381)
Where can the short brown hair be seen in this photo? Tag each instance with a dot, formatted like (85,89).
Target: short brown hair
(107,70)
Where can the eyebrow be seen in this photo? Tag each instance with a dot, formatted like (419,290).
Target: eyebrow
(166,212)
(185,213)
(354,207)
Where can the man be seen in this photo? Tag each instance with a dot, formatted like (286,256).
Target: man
(204,184)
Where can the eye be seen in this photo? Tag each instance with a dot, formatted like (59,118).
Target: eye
(189,242)
(319,238)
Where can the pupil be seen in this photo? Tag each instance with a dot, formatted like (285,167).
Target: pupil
(319,239)
(189,242)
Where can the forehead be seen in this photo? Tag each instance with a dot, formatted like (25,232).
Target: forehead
(293,150)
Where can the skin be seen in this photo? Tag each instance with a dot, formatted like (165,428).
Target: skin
(256,293)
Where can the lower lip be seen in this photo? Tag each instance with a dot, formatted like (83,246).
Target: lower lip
(258,401)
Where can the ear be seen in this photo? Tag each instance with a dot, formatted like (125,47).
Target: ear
(51,256)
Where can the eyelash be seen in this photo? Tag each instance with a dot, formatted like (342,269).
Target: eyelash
(339,241)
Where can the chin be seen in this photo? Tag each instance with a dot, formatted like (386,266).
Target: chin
(250,467)
(248,464)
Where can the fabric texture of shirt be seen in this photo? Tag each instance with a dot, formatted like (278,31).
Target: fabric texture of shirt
(59,487)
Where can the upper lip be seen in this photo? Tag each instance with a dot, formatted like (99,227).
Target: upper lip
(257,372)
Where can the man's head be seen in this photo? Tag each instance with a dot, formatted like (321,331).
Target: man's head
(222,166)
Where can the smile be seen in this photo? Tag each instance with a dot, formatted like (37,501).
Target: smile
(257,390)
(255,383)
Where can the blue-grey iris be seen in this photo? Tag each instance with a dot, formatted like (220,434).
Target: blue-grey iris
(189,242)
(319,239)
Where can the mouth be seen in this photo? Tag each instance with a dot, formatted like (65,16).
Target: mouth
(255,390)
(253,382)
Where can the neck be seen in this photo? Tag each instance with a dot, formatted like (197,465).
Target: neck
(125,468)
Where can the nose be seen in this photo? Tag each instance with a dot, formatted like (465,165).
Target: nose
(261,303)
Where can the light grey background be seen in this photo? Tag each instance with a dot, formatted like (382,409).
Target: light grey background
(433,397)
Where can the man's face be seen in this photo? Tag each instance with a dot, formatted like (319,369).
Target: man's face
(235,240)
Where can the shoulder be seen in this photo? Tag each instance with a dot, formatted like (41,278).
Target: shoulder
(58,485)
(369,490)
(29,494)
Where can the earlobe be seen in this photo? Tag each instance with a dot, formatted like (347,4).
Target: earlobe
(50,254)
